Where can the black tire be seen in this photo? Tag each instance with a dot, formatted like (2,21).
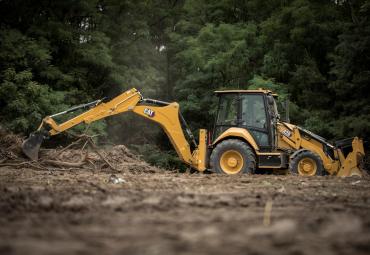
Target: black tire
(249,159)
(306,155)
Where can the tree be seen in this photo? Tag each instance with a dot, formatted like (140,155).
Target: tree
(351,75)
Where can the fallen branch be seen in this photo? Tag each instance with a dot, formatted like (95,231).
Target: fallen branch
(83,147)
(65,148)
(23,164)
(63,163)
(92,163)
(38,166)
(91,142)
(66,164)
(15,164)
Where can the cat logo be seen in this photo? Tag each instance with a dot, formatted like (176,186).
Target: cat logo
(287,133)
(149,112)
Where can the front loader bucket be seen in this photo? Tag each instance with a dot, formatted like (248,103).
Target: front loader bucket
(31,145)
(351,164)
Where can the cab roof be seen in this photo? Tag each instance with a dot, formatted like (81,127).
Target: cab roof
(263,91)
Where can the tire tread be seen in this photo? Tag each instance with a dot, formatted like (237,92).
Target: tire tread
(306,153)
(229,143)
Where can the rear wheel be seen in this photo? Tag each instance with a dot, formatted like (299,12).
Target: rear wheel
(233,156)
(306,163)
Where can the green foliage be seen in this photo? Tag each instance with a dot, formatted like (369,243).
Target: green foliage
(279,88)
(27,101)
(297,114)
(70,53)
(223,55)
(351,74)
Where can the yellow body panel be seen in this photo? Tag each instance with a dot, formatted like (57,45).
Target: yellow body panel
(168,118)
(238,132)
(201,152)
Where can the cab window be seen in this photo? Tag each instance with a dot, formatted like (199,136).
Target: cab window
(253,117)
(253,111)
(228,112)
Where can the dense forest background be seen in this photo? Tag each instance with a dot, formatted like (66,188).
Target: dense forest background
(56,54)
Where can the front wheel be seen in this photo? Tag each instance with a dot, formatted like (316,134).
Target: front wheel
(233,156)
(306,163)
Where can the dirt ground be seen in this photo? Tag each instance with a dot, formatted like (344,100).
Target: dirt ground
(83,212)
(69,202)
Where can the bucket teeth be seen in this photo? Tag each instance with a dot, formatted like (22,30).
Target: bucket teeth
(31,145)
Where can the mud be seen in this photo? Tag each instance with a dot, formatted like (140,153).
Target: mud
(81,212)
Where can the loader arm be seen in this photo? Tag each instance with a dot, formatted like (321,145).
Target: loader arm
(334,161)
(167,115)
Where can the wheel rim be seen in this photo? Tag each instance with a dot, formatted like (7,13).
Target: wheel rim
(231,162)
(307,166)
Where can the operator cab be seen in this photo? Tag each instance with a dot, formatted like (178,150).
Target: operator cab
(253,110)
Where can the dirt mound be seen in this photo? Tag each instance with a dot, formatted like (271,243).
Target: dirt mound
(121,154)
(118,158)
(121,157)
(10,145)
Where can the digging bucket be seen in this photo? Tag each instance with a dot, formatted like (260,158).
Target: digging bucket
(31,145)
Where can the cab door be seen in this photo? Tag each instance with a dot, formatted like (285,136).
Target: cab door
(227,115)
(254,117)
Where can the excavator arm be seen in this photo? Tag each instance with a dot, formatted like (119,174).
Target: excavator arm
(167,115)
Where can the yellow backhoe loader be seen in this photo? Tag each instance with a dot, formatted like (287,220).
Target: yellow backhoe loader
(247,135)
